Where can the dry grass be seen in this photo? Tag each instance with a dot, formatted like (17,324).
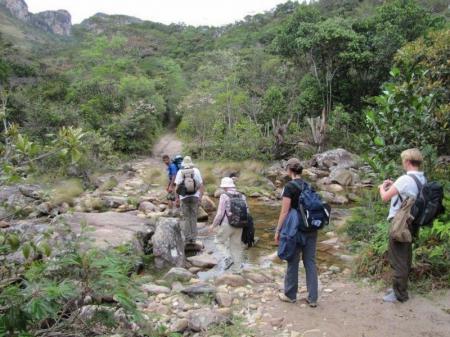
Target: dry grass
(154,176)
(66,191)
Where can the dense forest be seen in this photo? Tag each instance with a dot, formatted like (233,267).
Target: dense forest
(369,76)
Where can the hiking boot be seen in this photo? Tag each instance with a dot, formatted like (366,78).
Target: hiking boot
(390,298)
(284,298)
(312,304)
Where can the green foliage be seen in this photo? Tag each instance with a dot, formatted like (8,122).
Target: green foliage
(49,291)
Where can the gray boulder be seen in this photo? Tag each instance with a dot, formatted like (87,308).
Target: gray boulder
(344,177)
(200,320)
(338,157)
(168,244)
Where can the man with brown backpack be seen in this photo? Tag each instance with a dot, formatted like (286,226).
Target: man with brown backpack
(190,189)
(414,203)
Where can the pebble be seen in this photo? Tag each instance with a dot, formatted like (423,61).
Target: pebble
(328,290)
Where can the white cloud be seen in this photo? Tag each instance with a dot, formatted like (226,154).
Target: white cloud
(194,12)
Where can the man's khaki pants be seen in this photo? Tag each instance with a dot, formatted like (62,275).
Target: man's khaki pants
(189,211)
(229,242)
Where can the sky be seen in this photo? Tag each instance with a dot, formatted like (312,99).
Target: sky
(192,12)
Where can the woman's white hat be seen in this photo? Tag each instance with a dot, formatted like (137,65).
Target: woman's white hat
(187,162)
(227,183)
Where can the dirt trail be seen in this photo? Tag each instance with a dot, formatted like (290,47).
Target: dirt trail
(168,144)
(353,310)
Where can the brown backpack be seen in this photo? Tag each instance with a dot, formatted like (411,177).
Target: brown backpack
(401,222)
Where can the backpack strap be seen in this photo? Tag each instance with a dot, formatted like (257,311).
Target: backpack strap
(418,183)
(419,187)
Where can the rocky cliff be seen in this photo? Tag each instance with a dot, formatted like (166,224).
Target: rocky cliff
(56,22)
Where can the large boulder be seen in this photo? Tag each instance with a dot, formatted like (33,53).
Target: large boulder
(338,157)
(111,228)
(344,177)
(168,243)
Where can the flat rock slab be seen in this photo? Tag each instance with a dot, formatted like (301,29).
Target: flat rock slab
(202,261)
(111,228)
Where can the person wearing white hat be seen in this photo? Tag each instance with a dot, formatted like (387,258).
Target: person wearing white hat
(190,189)
(232,215)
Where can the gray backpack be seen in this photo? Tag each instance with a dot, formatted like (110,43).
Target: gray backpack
(188,186)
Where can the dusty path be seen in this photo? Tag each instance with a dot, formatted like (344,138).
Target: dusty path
(168,144)
(353,310)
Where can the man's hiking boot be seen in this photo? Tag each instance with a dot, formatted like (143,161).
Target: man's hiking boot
(390,298)
(312,304)
(284,298)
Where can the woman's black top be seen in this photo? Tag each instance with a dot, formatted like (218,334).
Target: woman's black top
(292,192)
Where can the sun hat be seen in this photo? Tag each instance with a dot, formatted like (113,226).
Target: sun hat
(187,162)
(227,182)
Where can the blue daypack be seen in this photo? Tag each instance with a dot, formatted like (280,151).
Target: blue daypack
(288,235)
(315,214)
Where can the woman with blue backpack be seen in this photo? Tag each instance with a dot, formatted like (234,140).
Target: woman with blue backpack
(295,242)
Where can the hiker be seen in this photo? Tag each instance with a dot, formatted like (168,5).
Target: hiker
(190,189)
(172,170)
(232,217)
(307,249)
(400,253)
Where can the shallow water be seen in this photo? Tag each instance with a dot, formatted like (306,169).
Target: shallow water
(265,218)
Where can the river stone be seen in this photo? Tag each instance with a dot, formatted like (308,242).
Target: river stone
(168,243)
(202,215)
(178,274)
(231,280)
(208,204)
(203,261)
(179,325)
(224,299)
(147,207)
(338,157)
(200,320)
(199,289)
(153,289)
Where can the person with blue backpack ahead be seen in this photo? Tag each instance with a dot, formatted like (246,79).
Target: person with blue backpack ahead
(297,218)
(172,169)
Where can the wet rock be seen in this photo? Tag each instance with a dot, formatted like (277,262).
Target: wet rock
(199,289)
(224,299)
(200,320)
(208,204)
(168,244)
(344,177)
(153,289)
(231,280)
(202,261)
(178,274)
(338,157)
(202,215)
(147,207)
(179,325)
